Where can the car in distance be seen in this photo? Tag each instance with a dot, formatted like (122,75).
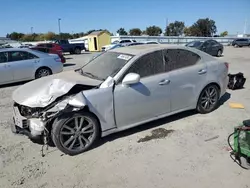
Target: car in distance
(72,48)
(21,64)
(117,90)
(53,47)
(116,42)
(151,42)
(50,51)
(211,47)
(241,42)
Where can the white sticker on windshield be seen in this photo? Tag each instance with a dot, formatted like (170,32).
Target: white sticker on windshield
(124,57)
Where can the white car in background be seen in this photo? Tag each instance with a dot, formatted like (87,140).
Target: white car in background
(21,64)
(124,42)
(151,42)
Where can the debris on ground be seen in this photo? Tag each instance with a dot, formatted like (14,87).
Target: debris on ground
(213,138)
(156,134)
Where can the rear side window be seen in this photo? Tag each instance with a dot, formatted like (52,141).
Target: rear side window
(41,45)
(179,58)
(20,55)
(212,42)
(148,65)
(3,57)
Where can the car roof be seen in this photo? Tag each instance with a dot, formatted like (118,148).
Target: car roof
(40,54)
(144,48)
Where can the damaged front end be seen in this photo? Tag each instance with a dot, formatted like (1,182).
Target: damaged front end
(35,122)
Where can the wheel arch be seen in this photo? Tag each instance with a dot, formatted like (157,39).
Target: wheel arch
(211,83)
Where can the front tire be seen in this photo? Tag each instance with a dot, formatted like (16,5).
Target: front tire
(208,100)
(75,133)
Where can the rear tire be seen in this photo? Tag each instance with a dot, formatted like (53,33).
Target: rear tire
(77,50)
(208,100)
(74,133)
(42,72)
(219,53)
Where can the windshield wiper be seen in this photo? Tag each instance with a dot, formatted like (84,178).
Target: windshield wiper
(91,75)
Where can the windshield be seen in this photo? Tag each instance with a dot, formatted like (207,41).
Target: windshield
(194,44)
(105,65)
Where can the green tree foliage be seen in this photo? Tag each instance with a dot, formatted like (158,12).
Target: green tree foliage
(175,29)
(122,31)
(153,30)
(135,32)
(203,28)
(223,34)
(15,36)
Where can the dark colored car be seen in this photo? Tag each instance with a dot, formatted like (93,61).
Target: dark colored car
(241,42)
(75,48)
(50,51)
(211,47)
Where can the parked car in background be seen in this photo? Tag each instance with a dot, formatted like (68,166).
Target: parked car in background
(21,64)
(50,51)
(72,48)
(151,42)
(135,43)
(53,47)
(211,47)
(117,90)
(123,42)
(241,42)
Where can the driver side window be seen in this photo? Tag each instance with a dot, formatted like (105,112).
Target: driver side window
(147,65)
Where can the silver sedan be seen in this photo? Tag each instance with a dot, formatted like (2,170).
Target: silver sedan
(24,64)
(117,90)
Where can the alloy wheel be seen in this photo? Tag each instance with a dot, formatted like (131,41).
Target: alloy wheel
(42,73)
(209,98)
(77,133)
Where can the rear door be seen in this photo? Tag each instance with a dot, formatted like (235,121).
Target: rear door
(22,64)
(6,75)
(187,75)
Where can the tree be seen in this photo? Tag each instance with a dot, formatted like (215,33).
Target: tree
(135,32)
(16,36)
(175,29)
(50,36)
(122,31)
(153,30)
(203,27)
(223,34)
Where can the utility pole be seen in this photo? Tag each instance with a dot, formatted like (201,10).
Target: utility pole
(59,27)
(245,27)
(31,30)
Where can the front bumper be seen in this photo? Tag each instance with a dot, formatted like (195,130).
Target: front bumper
(32,127)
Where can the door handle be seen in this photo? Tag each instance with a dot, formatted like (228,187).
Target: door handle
(164,82)
(202,71)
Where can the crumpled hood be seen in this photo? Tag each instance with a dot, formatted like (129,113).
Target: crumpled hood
(43,91)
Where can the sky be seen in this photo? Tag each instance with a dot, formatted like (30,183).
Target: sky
(83,15)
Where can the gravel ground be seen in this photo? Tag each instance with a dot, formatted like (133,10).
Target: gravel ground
(181,157)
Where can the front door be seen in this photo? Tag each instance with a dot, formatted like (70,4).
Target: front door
(6,75)
(148,98)
(187,76)
(22,64)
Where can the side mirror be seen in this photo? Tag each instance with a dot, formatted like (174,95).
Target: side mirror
(131,78)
